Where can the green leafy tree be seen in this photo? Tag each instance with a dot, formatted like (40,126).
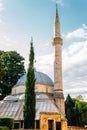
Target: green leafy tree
(79,98)
(30,100)
(76,111)
(77,120)
(11,69)
(82,109)
(1,68)
(1,71)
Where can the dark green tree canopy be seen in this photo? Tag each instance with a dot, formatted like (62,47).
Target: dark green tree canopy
(69,101)
(11,69)
(69,105)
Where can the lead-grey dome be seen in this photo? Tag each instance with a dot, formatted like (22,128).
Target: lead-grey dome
(10,98)
(41,78)
(22,97)
(42,96)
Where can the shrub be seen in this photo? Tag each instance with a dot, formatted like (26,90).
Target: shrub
(4,128)
(5,121)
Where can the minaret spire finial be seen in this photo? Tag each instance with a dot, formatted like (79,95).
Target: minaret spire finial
(56,5)
(56,10)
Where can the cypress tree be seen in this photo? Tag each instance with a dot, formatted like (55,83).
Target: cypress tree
(69,109)
(30,100)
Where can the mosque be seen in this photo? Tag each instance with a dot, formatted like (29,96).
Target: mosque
(50,108)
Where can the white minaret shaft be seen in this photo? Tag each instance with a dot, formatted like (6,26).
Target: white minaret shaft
(58,69)
(57,43)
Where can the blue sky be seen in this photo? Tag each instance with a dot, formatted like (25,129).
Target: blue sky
(22,19)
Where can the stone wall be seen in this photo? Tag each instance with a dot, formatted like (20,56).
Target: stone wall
(76,128)
(68,128)
(25,129)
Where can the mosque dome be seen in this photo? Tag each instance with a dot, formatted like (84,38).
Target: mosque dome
(10,98)
(22,97)
(41,78)
(42,96)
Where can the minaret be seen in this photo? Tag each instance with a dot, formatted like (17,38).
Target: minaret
(57,43)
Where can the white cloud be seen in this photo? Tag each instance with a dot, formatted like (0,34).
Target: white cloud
(1,22)
(75,69)
(8,42)
(84,26)
(45,64)
(1,6)
(75,54)
(78,33)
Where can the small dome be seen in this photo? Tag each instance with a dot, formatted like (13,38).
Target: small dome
(10,98)
(41,78)
(42,96)
(22,97)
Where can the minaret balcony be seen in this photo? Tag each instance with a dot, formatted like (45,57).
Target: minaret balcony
(57,41)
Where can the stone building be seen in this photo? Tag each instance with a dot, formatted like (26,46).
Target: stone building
(50,111)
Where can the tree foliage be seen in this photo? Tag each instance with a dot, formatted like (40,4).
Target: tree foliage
(11,69)
(30,101)
(7,121)
(69,105)
(76,111)
(82,107)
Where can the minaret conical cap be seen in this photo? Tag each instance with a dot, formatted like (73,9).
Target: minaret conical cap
(56,24)
(57,11)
